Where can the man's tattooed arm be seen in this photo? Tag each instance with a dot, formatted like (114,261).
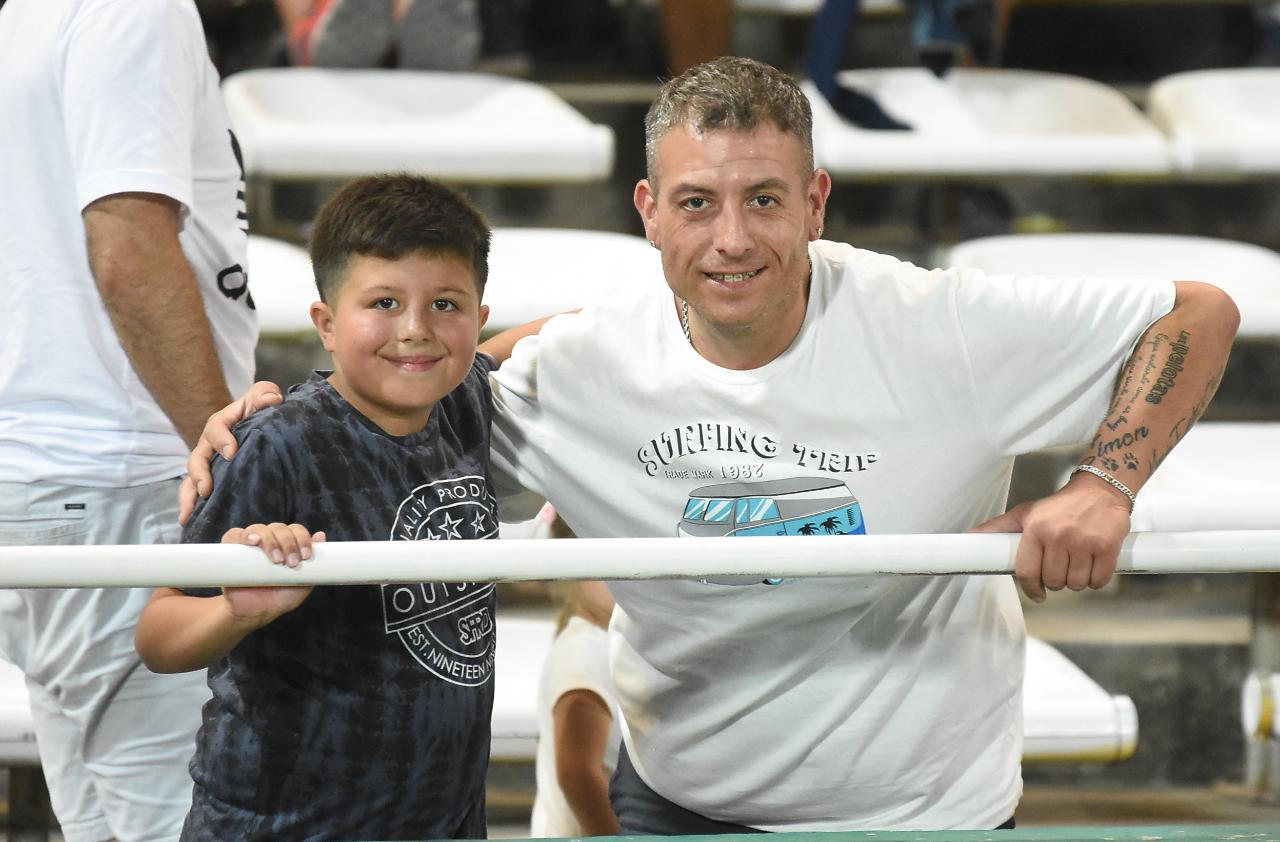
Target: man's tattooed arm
(1165,386)
(1071,539)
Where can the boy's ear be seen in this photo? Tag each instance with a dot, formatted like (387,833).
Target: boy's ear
(322,318)
(484,315)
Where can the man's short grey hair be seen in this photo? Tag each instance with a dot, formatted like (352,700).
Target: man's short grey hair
(733,94)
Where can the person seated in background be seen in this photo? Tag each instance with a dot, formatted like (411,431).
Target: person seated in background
(579,734)
(946,33)
(824,58)
(416,34)
(357,712)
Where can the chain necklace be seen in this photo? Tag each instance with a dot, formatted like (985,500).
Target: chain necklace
(684,310)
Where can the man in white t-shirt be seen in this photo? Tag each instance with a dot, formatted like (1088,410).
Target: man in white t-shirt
(123,273)
(781,384)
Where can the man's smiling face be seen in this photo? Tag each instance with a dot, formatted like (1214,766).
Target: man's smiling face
(733,213)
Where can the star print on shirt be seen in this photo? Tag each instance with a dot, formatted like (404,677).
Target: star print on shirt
(450,526)
(478,524)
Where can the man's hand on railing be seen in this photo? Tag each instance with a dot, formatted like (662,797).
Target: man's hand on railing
(1070,539)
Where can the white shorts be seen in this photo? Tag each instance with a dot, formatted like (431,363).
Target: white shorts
(115,739)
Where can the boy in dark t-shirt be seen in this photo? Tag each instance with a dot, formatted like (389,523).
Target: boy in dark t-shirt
(357,712)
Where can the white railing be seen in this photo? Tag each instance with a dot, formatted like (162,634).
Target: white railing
(211,565)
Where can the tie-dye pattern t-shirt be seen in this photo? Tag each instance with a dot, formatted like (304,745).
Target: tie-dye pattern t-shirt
(363,714)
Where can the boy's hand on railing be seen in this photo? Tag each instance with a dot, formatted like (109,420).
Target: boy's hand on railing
(284,543)
(288,544)
(217,438)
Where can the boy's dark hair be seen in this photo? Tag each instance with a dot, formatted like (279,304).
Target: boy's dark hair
(393,216)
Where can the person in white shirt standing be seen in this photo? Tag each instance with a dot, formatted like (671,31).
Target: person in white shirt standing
(122,265)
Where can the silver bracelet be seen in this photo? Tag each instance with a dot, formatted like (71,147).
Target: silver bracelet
(1106,477)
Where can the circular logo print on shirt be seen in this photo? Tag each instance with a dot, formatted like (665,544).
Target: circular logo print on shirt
(446,626)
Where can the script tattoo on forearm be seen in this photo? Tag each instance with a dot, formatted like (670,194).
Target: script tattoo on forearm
(1182,425)
(1130,386)
(1149,364)
(1178,352)
(1153,383)
(1107,451)
(1128,392)
(1117,417)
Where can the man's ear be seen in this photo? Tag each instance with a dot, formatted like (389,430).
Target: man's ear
(322,318)
(484,315)
(819,191)
(646,202)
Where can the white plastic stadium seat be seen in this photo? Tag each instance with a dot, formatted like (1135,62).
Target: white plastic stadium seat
(1249,273)
(1220,122)
(533,272)
(470,127)
(1067,716)
(17,731)
(523,644)
(988,122)
(282,286)
(1221,475)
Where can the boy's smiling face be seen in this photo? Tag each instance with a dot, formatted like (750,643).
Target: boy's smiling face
(403,334)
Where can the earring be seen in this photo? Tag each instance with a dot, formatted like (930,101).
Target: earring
(652,243)
(819,232)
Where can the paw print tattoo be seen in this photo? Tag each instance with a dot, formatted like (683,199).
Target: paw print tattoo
(1130,461)
(1110,464)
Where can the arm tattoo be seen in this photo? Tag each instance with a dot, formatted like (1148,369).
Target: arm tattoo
(1104,451)
(1123,442)
(1145,379)
(1178,352)
(1182,425)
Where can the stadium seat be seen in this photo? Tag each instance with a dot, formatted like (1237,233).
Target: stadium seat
(1220,476)
(1223,122)
(1249,273)
(300,123)
(282,286)
(17,732)
(533,272)
(986,123)
(1068,717)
